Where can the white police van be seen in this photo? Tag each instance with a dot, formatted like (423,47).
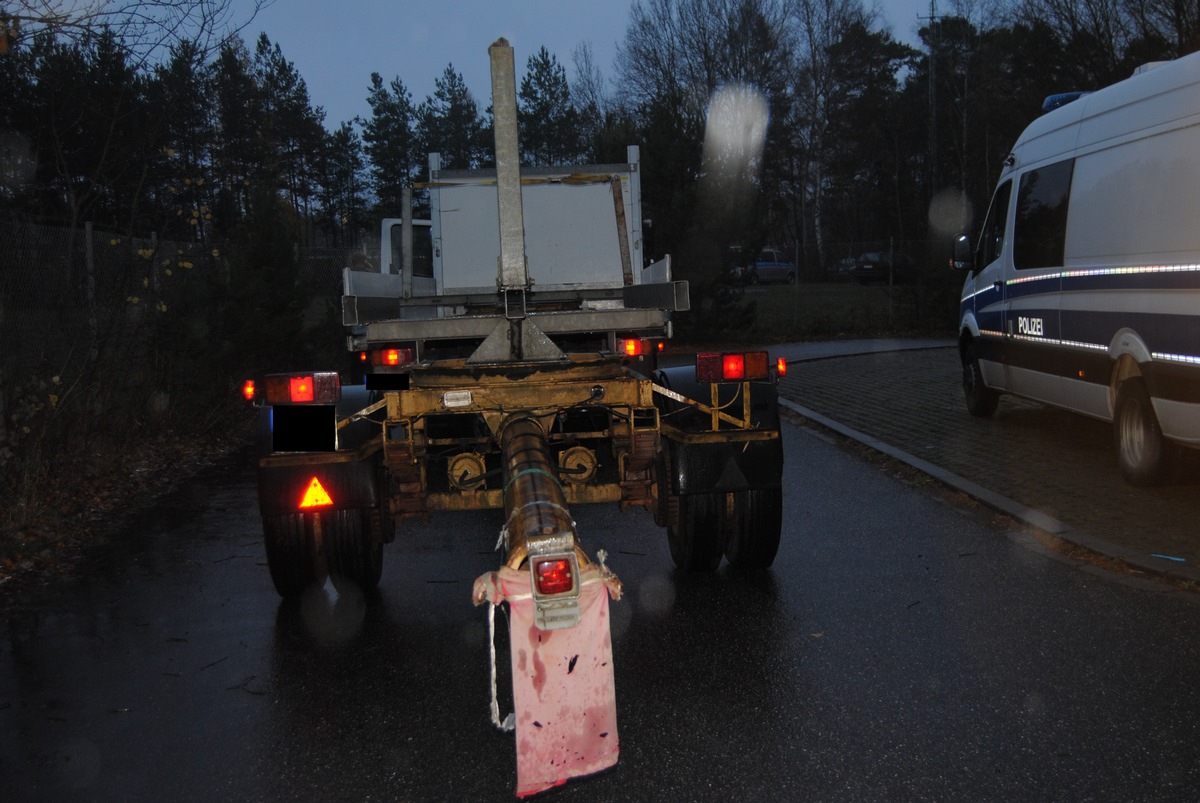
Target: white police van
(1083,291)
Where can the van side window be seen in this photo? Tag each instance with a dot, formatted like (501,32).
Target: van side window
(991,238)
(1040,228)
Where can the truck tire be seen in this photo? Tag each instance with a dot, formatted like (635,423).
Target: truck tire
(981,400)
(354,547)
(666,511)
(1144,456)
(753,540)
(697,538)
(293,555)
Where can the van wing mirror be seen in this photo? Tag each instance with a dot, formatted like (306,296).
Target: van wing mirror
(964,255)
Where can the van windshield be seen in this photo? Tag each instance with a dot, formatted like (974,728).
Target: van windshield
(991,239)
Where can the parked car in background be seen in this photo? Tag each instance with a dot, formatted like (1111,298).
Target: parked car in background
(769,266)
(881,266)
(842,268)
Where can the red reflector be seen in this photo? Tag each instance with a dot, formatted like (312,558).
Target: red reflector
(553,575)
(781,367)
(300,388)
(733,367)
(315,496)
(248,390)
(708,367)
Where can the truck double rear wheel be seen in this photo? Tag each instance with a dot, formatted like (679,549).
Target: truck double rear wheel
(756,523)
(697,536)
(744,526)
(293,553)
(303,547)
(354,548)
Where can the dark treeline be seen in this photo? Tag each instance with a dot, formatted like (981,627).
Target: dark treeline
(216,142)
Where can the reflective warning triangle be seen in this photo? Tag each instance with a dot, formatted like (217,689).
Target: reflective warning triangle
(316,495)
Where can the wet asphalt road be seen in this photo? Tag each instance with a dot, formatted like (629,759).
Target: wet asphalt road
(906,645)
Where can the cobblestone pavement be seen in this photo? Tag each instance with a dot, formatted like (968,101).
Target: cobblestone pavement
(1054,469)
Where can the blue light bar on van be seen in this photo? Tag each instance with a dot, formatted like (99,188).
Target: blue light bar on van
(1052,102)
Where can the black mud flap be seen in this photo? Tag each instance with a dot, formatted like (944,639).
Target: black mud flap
(724,467)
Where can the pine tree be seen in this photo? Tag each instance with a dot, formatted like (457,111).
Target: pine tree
(450,123)
(390,142)
(550,125)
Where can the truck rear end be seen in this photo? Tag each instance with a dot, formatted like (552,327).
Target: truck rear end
(516,369)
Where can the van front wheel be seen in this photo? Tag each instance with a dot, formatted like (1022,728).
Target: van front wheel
(981,400)
(1143,454)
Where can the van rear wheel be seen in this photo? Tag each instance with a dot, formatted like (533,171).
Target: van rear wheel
(981,400)
(1144,456)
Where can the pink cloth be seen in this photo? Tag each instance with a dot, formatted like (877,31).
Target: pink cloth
(563,688)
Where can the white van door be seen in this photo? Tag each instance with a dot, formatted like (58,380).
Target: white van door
(1036,361)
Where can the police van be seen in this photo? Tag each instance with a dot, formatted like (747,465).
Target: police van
(1083,290)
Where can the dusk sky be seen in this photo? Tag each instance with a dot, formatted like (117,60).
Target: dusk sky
(336,46)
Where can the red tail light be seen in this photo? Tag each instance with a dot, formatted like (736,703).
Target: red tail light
(301,389)
(781,367)
(248,390)
(732,367)
(315,388)
(391,357)
(553,575)
(631,347)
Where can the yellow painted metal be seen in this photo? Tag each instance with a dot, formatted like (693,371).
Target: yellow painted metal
(539,391)
(379,405)
(536,394)
(714,410)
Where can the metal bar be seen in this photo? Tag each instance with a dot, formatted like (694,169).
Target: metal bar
(513,273)
(406,244)
(714,410)
(622,241)
(552,323)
